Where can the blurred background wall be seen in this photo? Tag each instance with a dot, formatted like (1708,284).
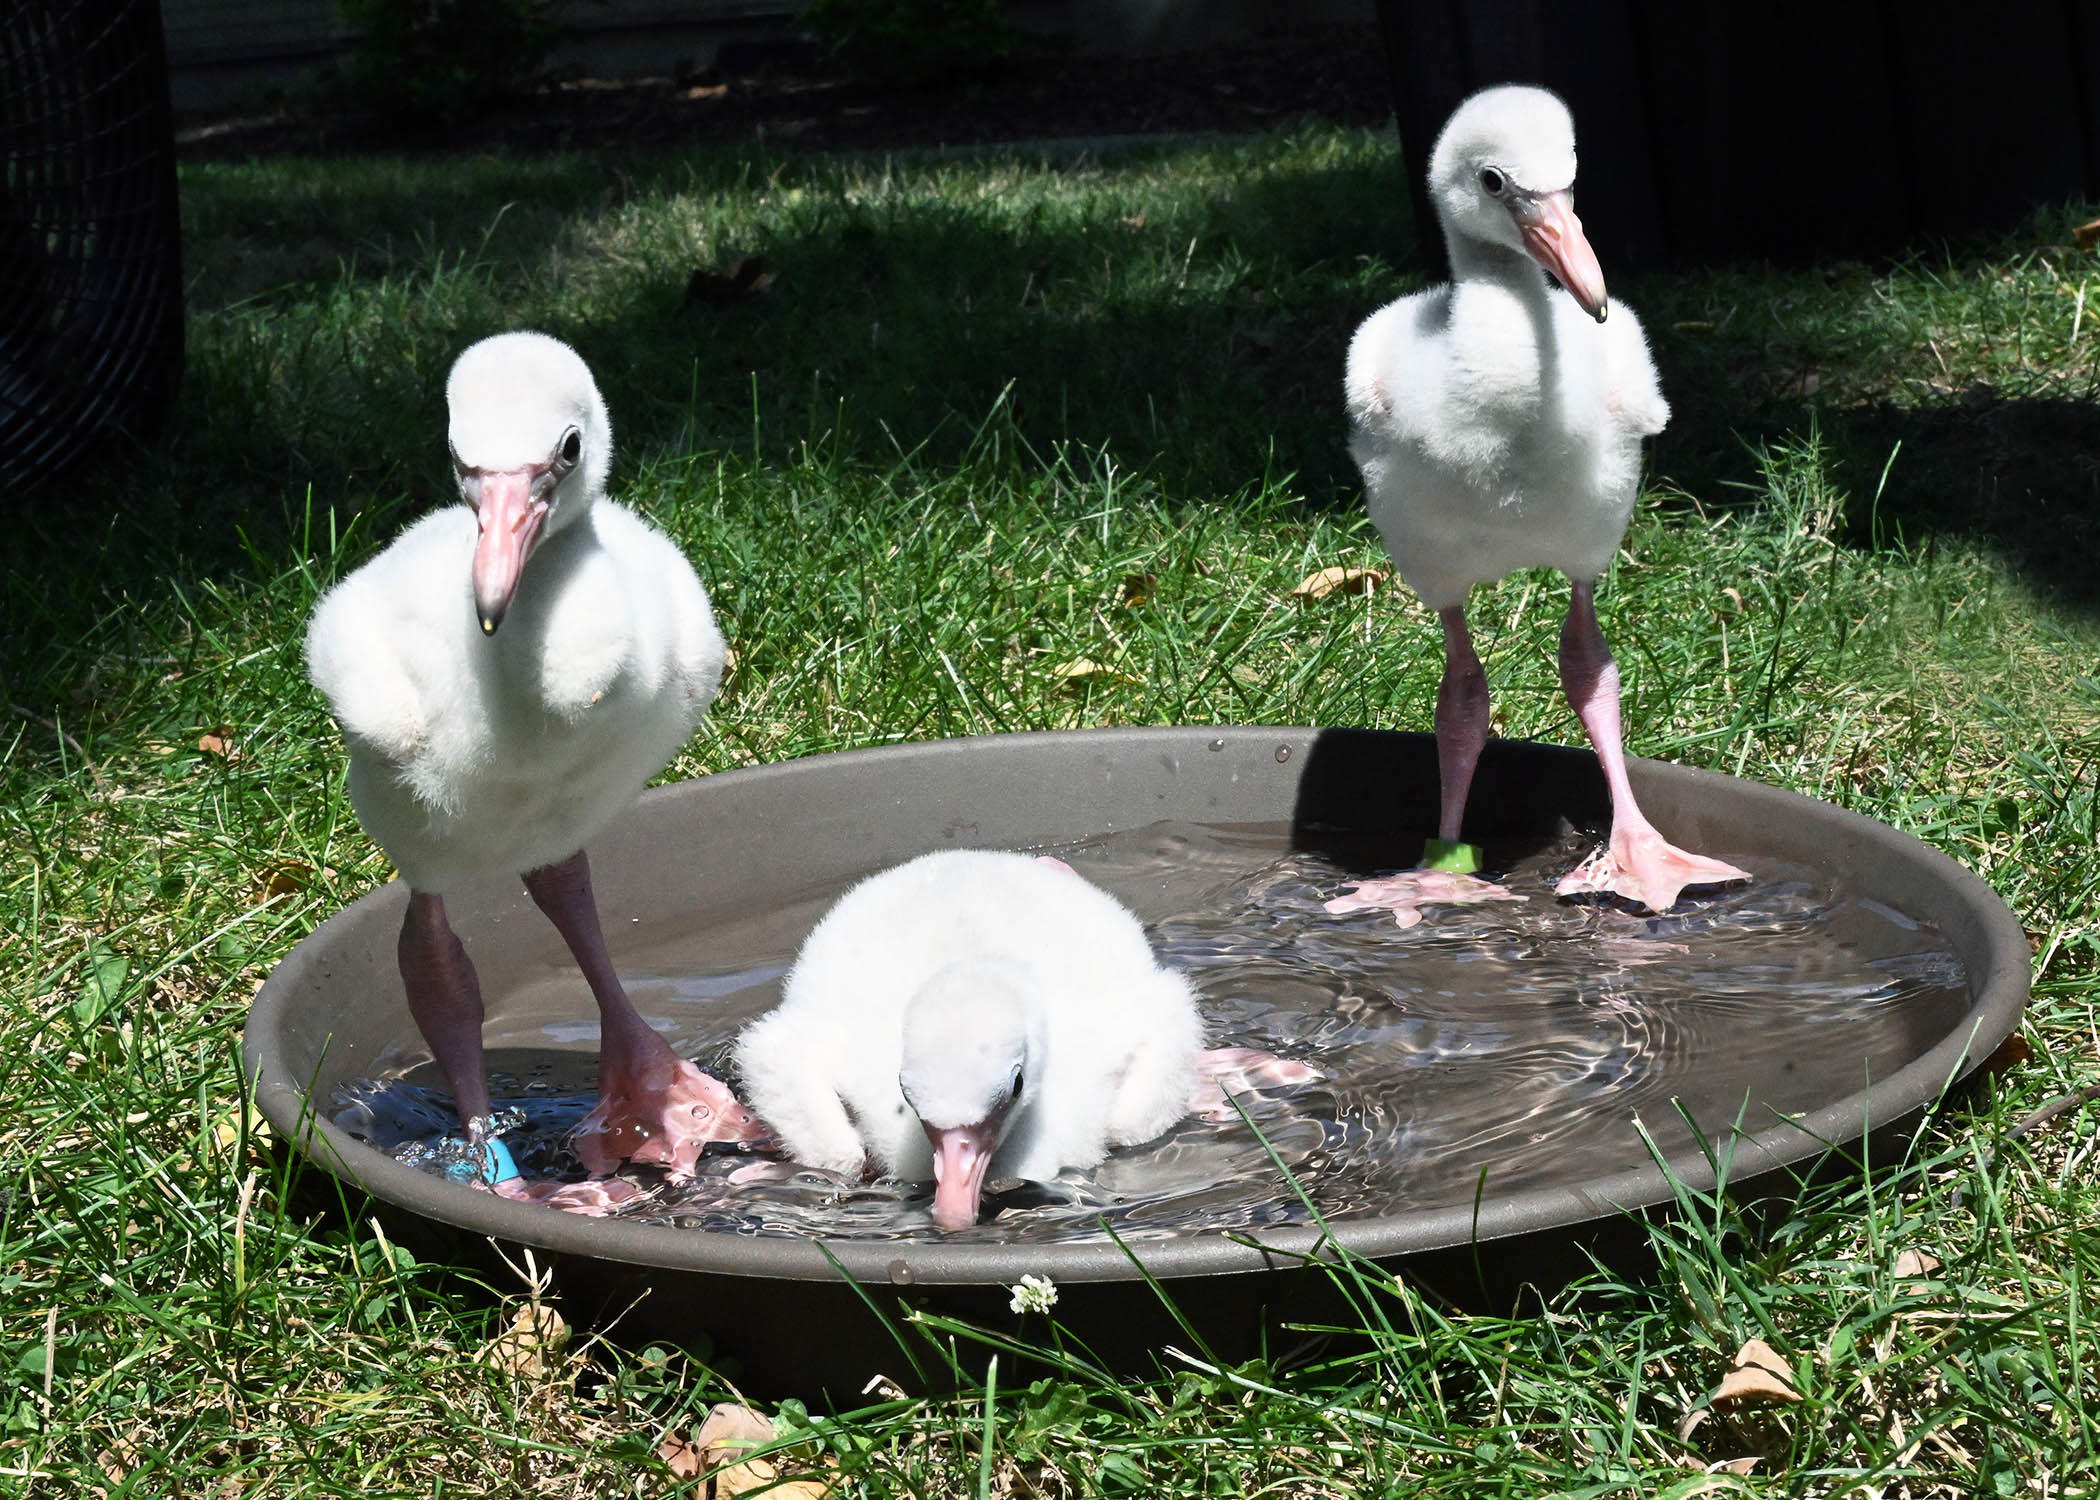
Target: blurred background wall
(223,54)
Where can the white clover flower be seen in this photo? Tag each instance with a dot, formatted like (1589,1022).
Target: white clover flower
(1034,1294)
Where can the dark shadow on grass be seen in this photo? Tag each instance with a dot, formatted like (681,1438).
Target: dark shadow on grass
(896,323)
(903,317)
(1756,358)
(2021,476)
(2024,474)
(918,323)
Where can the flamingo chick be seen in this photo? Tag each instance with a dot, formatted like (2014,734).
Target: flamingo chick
(507,674)
(1498,420)
(974,1014)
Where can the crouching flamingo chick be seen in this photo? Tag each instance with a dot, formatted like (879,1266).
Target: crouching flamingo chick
(973,1015)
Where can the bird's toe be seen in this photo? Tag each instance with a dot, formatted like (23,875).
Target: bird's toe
(1224,1071)
(667,1119)
(594,1198)
(1405,894)
(1647,870)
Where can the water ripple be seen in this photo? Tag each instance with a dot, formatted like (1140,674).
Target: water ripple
(1510,1043)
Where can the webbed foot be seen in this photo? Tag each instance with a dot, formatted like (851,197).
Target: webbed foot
(1643,867)
(593,1198)
(1223,1071)
(665,1113)
(1405,894)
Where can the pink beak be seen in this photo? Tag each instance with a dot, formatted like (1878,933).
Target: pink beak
(511,516)
(1553,237)
(961,1153)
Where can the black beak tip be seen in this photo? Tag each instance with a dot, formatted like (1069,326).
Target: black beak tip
(489,624)
(1603,310)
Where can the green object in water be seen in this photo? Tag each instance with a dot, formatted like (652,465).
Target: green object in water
(1452,856)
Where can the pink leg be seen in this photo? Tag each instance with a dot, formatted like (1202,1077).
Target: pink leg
(1461,731)
(653,1106)
(1639,863)
(1461,721)
(444,996)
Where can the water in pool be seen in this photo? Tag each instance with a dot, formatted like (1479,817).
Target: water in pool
(1494,1047)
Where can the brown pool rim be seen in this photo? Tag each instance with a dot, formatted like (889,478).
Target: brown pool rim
(335,1000)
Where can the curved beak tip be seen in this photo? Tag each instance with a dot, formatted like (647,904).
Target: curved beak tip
(1553,237)
(961,1155)
(510,519)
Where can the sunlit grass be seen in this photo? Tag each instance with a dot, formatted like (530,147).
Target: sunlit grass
(996,417)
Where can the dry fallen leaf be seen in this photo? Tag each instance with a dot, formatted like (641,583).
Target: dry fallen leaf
(731,1429)
(1137,588)
(731,1483)
(1028,1480)
(750,276)
(1134,223)
(1735,597)
(681,1455)
(2015,1051)
(288,877)
(2087,235)
(730,1422)
(532,1344)
(217,742)
(118,1460)
(1913,1263)
(1759,1375)
(1338,580)
(226,1130)
(1081,669)
(1733,1466)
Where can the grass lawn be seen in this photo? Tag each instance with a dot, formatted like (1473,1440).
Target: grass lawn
(985,393)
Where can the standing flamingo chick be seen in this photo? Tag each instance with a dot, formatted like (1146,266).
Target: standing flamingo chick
(973,1014)
(1498,423)
(507,675)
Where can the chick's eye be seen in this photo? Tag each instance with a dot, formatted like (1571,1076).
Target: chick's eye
(1014,1089)
(571,446)
(1493,181)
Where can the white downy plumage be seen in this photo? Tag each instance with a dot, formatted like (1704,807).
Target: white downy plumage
(1498,421)
(475,753)
(973,1015)
(508,674)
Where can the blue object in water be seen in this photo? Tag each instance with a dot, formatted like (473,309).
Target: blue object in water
(495,1165)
